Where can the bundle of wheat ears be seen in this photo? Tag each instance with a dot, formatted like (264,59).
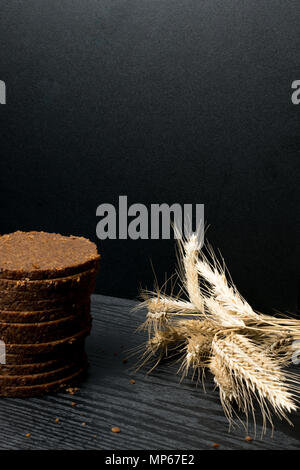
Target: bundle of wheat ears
(217,330)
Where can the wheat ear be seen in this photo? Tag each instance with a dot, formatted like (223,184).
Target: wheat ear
(281,349)
(220,315)
(191,248)
(188,328)
(161,309)
(255,375)
(196,355)
(161,344)
(225,383)
(227,296)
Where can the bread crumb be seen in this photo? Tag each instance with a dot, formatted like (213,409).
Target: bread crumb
(132,381)
(248,439)
(27,434)
(57,420)
(215,444)
(116,429)
(73,403)
(72,390)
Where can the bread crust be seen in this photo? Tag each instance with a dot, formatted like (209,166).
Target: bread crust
(60,345)
(8,316)
(40,390)
(41,367)
(28,358)
(34,304)
(42,378)
(43,332)
(48,287)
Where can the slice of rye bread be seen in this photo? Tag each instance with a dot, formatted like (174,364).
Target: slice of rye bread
(40,390)
(16,295)
(50,287)
(41,255)
(8,303)
(23,358)
(41,367)
(51,346)
(43,297)
(24,333)
(42,378)
(8,316)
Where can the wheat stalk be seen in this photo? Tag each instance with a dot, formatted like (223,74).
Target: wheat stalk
(217,329)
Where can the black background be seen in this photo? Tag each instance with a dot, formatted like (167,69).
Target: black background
(164,101)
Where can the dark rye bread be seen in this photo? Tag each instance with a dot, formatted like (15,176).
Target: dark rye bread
(43,332)
(9,297)
(41,367)
(40,390)
(8,303)
(26,358)
(42,378)
(60,345)
(50,287)
(41,255)
(8,316)
(45,285)
(16,295)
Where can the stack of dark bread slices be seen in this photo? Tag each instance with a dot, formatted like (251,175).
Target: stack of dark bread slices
(46,281)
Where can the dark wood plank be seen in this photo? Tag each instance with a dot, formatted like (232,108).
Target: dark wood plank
(157,412)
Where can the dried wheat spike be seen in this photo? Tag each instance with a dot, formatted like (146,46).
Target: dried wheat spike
(255,375)
(188,328)
(162,340)
(168,305)
(220,315)
(282,349)
(225,383)
(162,309)
(257,354)
(164,343)
(190,252)
(196,355)
(227,296)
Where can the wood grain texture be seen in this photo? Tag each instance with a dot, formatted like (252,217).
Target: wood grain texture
(156,413)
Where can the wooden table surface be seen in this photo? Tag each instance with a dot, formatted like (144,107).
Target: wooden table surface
(155,413)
